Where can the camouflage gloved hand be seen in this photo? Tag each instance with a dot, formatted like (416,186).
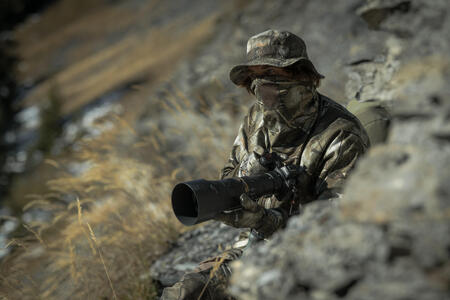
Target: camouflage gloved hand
(252,215)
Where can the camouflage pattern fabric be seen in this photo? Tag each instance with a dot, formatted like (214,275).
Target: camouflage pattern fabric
(272,48)
(326,144)
(263,221)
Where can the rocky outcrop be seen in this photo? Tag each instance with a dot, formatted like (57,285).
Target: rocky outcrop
(191,248)
(389,235)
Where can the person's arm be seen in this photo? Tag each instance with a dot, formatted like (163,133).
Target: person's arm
(252,215)
(265,221)
(339,157)
(338,160)
(231,168)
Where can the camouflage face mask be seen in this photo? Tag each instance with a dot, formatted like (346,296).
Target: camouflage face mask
(282,99)
(287,106)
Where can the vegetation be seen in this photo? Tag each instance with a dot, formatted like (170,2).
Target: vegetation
(108,198)
(111,220)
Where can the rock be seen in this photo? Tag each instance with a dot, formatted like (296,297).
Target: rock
(191,248)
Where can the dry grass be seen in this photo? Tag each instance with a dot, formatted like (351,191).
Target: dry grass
(135,57)
(125,223)
(110,221)
(93,65)
(102,242)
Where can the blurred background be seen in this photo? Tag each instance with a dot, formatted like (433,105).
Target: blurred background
(106,104)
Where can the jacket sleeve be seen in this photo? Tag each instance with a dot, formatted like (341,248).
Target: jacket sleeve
(231,168)
(338,160)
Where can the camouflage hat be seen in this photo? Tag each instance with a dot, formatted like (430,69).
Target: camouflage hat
(272,48)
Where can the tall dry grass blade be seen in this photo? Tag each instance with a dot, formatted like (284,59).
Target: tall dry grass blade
(36,203)
(52,162)
(168,108)
(182,96)
(73,270)
(155,143)
(175,172)
(124,124)
(174,101)
(211,275)
(160,135)
(11,242)
(38,237)
(99,250)
(94,252)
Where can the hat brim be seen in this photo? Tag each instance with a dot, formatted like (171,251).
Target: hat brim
(240,74)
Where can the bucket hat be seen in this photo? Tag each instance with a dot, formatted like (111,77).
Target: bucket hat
(272,48)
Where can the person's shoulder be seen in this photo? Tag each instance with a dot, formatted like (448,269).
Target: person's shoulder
(335,117)
(332,110)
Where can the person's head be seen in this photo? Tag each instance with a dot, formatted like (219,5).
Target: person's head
(280,75)
(274,53)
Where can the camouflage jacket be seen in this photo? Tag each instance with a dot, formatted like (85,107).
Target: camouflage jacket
(327,147)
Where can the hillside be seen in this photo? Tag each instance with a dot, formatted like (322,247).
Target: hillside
(120,100)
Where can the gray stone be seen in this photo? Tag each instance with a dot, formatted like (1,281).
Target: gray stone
(191,248)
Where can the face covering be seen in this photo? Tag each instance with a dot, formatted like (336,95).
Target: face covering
(287,107)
